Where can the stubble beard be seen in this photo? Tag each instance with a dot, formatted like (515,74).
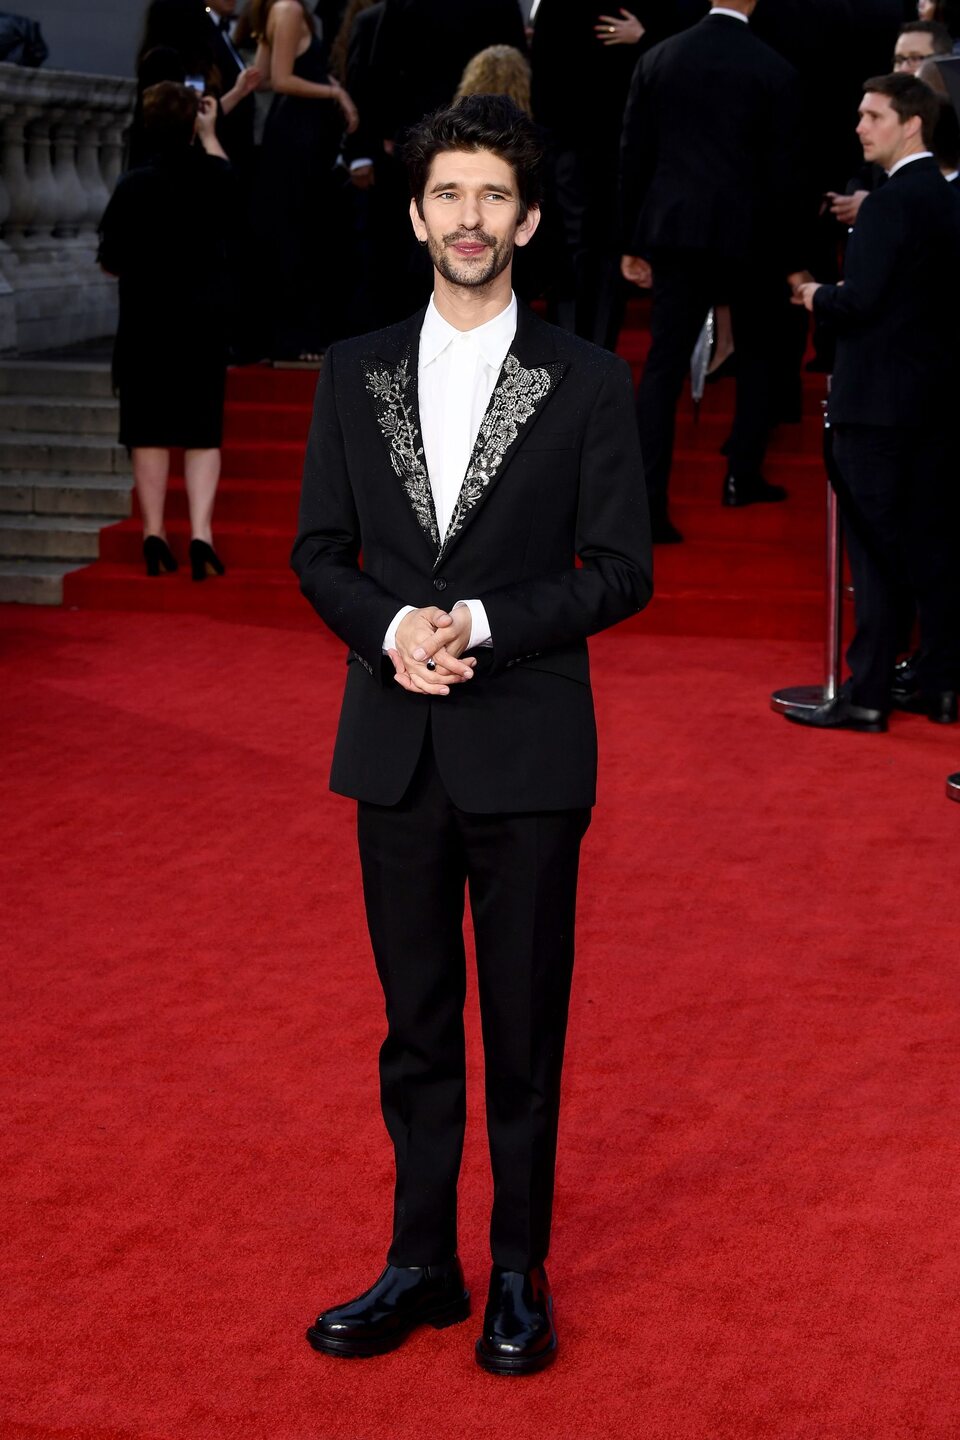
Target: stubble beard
(472,275)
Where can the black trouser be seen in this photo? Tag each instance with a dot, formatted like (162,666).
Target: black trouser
(899,524)
(521,870)
(584,182)
(685,285)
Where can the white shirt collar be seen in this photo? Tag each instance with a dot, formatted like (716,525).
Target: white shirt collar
(734,14)
(951,175)
(493,339)
(908,160)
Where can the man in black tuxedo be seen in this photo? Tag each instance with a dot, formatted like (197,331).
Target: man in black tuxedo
(423,46)
(707,170)
(470,453)
(896,319)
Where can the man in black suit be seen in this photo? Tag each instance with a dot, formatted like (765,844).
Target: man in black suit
(423,46)
(470,453)
(707,169)
(891,403)
(235,127)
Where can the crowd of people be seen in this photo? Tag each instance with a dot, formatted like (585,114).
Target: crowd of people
(706,153)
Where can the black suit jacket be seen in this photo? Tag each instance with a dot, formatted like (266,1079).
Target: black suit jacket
(422,48)
(556,472)
(709,146)
(366,142)
(896,316)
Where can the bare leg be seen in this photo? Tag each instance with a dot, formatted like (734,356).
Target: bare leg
(201,469)
(151,467)
(724,345)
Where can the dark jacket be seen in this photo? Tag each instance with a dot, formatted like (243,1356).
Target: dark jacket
(556,472)
(422,48)
(708,156)
(895,317)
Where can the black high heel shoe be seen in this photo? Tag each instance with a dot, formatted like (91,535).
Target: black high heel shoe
(204,560)
(157,553)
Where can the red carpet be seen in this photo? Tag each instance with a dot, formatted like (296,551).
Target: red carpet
(758,1228)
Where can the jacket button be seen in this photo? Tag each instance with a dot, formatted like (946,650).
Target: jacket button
(439,583)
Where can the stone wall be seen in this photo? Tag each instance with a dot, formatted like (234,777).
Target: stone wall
(61,145)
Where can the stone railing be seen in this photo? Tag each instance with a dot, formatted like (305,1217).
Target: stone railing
(61,148)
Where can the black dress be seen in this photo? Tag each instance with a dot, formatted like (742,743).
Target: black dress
(165,234)
(298,214)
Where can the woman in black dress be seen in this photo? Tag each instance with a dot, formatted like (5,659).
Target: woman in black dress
(165,234)
(298,196)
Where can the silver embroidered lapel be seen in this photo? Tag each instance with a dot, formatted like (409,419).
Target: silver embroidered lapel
(394,395)
(516,396)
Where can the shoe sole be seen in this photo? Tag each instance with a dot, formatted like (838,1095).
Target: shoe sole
(365,1349)
(503,1365)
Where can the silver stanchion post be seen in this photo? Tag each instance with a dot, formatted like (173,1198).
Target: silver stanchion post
(953,786)
(808,697)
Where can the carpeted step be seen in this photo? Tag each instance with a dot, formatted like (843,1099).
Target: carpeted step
(264,385)
(244,544)
(259,422)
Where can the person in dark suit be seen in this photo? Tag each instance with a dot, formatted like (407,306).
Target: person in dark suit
(422,48)
(894,387)
(470,453)
(235,126)
(582,118)
(707,167)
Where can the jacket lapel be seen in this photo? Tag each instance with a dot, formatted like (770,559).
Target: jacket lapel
(394,390)
(527,379)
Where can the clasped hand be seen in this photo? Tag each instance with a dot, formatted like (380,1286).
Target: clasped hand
(432,634)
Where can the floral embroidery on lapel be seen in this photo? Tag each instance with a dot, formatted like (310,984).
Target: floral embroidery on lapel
(394,393)
(516,396)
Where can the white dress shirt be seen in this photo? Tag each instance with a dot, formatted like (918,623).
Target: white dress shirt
(456,375)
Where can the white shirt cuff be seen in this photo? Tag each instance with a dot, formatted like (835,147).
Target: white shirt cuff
(479,624)
(360,164)
(390,639)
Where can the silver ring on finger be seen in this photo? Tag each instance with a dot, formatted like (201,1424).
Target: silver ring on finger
(431,664)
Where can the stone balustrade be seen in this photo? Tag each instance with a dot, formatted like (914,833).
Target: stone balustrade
(61,148)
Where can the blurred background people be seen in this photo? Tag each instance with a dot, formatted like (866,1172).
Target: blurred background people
(297,212)
(708,178)
(165,234)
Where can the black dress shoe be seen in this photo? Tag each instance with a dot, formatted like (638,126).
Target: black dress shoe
(519,1336)
(382,1318)
(939,706)
(906,679)
(750,490)
(840,714)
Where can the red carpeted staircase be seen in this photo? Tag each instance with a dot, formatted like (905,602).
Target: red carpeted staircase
(756,573)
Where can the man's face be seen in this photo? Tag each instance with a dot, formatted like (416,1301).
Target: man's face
(470,216)
(911,50)
(884,136)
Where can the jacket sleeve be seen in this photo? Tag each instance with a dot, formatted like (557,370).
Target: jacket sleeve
(873,256)
(326,552)
(637,160)
(615,576)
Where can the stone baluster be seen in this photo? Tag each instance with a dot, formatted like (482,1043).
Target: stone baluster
(13,164)
(90,174)
(46,202)
(111,151)
(71,195)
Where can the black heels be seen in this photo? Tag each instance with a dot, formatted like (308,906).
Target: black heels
(204,560)
(157,554)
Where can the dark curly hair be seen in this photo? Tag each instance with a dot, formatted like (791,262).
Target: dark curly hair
(478,122)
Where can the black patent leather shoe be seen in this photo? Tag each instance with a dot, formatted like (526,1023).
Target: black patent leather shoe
(840,714)
(519,1336)
(382,1317)
(940,706)
(739,490)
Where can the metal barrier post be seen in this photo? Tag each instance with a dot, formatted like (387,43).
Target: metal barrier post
(808,697)
(953,786)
